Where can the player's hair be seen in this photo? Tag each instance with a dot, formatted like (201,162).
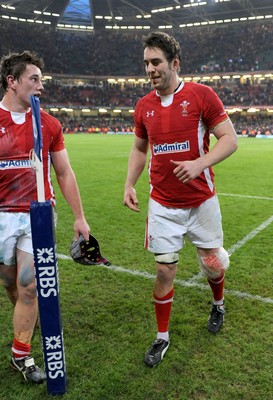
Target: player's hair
(15,64)
(168,44)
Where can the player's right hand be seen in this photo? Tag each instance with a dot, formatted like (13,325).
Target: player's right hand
(130,199)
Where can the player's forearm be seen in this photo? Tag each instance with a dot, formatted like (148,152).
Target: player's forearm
(70,191)
(136,165)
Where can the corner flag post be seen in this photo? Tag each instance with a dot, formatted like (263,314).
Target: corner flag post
(46,269)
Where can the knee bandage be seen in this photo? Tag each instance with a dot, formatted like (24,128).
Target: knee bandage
(169,258)
(215,264)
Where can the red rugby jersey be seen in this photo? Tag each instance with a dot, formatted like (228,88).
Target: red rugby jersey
(178,128)
(17,177)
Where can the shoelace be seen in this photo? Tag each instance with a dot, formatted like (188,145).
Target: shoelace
(215,315)
(31,368)
(156,347)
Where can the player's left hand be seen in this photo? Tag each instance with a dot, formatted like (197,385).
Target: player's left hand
(81,227)
(186,171)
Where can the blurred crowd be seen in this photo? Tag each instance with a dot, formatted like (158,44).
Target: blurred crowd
(228,48)
(232,47)
(251,125)
(101,93)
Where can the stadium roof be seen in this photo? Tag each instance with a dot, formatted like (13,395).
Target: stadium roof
(122,14)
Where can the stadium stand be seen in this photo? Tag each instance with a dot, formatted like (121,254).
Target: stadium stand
(80,65)
(240,47)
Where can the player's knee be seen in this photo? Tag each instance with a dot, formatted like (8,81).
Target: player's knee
(28,294)
(166,267)
(165,273)
(215,264)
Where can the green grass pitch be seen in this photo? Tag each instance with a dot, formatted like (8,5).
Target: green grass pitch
(108,315)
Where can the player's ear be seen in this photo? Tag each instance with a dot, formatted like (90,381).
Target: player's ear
(11,81)
(176,64)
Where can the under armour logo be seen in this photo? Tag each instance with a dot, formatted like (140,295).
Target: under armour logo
(150,113)
(3,130)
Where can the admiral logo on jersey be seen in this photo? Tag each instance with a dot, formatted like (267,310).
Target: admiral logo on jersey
(171,147)
(11,164)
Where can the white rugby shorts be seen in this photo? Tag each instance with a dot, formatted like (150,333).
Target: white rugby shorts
(167,227)
(15,234)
